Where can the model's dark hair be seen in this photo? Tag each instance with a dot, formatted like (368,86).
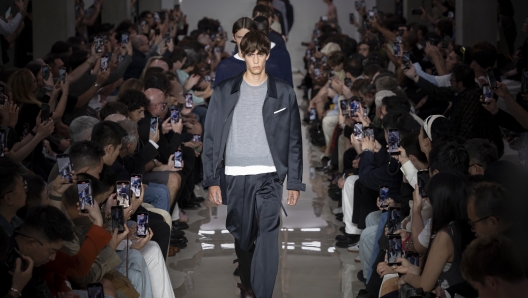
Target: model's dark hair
(108,133)
(463,73)
(244,23)
(411,144)
(494,256)
(255,41)
(263,10)
(448,193)
(8,174)
(113,107)
(49,222)
(262,24)
(133,99)
(393,103)
(85,154)
(400,120)
(481,151)
(449,156)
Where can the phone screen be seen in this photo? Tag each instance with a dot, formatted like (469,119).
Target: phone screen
(3,142)
(354,108)
(406,60)
(167,38)
(104,63)
(188,100)
(358,131)
(371,14)
(422,179)
(395,249)
(383,195)
(98,44)
(344,107)
(491,79)
(394,220)
(95,290)
(124,39)
(62,74)
(351,17)
(197,138)
(123,193)
(413,258)
(45,113)
(313,115)
(397,50)
(136,181)
(394,141)
(348,83)
(175,116)
(153,125)
(45,72)
(84,190)
(142,225)
(368,132)
(65,168)
(118,219)
(178,160)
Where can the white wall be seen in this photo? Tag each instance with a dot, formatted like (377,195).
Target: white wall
(307,12)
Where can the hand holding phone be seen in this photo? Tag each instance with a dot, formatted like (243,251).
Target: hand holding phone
(118,219)
(383,196)
(395,250)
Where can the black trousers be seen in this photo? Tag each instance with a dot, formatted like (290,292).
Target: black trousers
(253,218)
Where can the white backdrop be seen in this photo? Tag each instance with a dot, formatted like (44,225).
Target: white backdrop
(307,12)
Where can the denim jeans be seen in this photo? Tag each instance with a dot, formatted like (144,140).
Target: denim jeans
(376,250)
(158,196)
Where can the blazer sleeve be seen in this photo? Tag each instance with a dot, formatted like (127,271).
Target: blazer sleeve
(209,169)
(80,264)
(295,159)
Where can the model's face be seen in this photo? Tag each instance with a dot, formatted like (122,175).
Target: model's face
(239,35)
(256,62)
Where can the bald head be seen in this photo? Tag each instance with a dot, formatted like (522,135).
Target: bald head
(161,64)
(141,43)
(156,99)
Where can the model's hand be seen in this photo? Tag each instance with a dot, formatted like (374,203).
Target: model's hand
(293,196)
(215,195)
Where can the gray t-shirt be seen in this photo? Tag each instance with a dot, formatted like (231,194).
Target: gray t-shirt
(247,149)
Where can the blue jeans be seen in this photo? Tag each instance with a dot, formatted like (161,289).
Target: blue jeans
(376,250)
(158,196)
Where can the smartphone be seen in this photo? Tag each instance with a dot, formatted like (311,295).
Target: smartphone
(154,124)
(167,38)
(450,15)
(10,260)
(142,225)
(197,138)
(524,81)
(45,112)
(188,100)
(178,159)
(143,25)
(313,114)
(207,47)
(394,141)
(62,74)
(394,220)
(123,193)
(371,14)
(124,39)
(156,17)
(422,178)
(368,132)
(84,190)
(487,94)
(354,108)
(344,107)
(45,72)
(175,115)
(118,219)
(317,72)
(351,18)
(104,63)
(95,290)
(358,131)
(98,44)
(491,79)
(406,60)
(395,250)
(324,18)
(416,12)
(65,167)
(3,141)
(356,4)
(383,195)
(396,48)
(348,83)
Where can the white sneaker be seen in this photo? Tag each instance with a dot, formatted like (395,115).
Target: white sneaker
(353,248)
(357,259)
(337,210)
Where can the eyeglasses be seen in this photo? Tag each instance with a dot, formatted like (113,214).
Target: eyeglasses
(472,223)
(21,234)
(25,188)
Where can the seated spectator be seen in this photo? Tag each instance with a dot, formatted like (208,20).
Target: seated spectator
(136,102)
(481,154)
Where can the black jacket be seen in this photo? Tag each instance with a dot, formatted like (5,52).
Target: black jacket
(282,123)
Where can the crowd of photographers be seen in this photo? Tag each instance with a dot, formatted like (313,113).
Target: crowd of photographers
(101,146)
(413,127)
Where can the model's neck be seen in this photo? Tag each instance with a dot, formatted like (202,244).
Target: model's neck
(255,79)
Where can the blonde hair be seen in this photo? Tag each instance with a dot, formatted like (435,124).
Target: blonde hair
(131,84)
(21,83)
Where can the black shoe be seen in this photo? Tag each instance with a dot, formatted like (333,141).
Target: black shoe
(179,225)
(342,230)
(237,271)
(177,233)
(345,237)
(351,241)
(361,277)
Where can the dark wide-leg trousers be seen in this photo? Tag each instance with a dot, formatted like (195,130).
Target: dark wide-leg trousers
(253,218)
